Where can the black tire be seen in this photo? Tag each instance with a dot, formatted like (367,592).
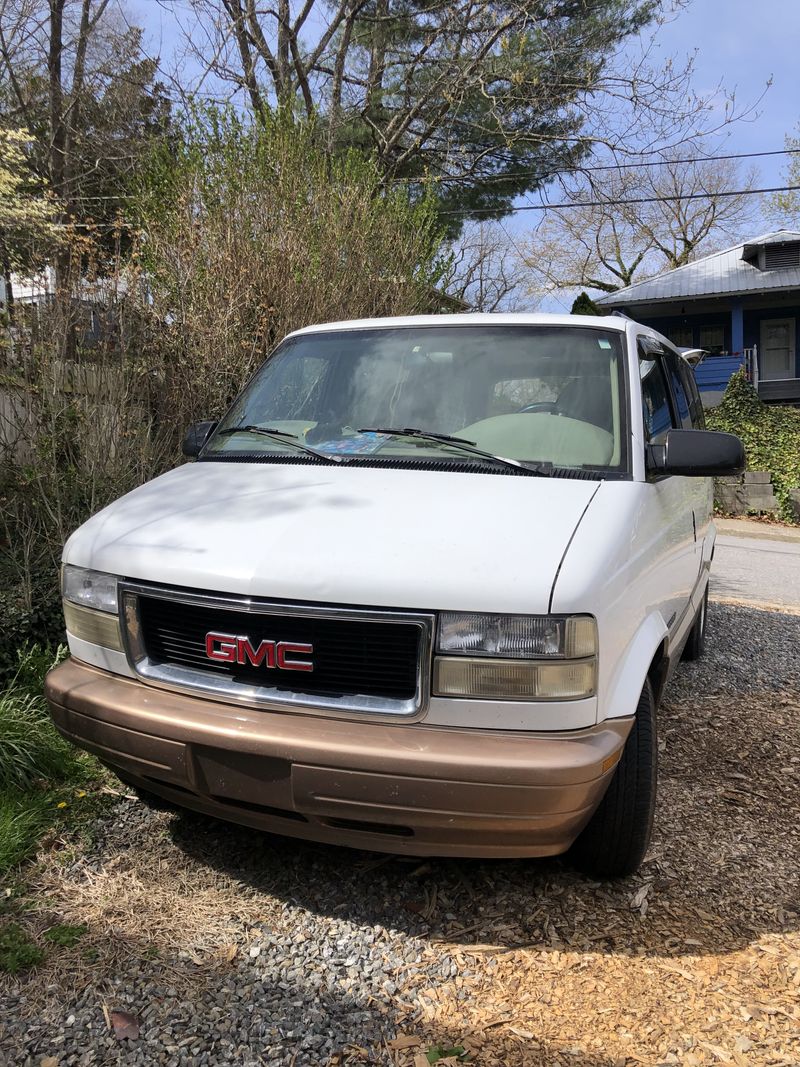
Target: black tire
(696,642)
(615,840)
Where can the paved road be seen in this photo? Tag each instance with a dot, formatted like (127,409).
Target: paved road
(763,569)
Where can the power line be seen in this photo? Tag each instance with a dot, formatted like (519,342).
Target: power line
(439,179)
(468,212)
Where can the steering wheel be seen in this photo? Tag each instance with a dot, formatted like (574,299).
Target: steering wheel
(542,405)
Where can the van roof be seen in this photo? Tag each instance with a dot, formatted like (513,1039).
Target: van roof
(607,322)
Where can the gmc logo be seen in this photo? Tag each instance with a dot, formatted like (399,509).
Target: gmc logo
(230,648)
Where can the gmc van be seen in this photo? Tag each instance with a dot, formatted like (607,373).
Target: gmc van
(419,591)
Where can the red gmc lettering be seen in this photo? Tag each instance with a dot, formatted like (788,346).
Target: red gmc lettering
(265,651)
(221,647)
(294,664)
(232,648)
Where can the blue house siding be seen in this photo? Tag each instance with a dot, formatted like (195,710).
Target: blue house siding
(714,373)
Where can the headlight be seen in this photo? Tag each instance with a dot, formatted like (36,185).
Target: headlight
(517,636)
(90,606)
(516,657)
(90,589)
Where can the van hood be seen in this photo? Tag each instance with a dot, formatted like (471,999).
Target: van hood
(346,535)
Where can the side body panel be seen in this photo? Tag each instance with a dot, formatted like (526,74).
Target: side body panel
(639,561)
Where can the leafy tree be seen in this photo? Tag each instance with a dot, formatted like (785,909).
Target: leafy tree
(27,225)
(74,74)
(488,98)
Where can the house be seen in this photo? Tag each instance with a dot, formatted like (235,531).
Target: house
(740,305)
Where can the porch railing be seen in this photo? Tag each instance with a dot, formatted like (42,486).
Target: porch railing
(751,365)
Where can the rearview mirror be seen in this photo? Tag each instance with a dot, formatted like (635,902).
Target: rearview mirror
(196,436)
(696,454)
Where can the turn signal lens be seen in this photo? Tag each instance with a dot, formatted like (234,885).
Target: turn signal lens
(96,627)
(496,679)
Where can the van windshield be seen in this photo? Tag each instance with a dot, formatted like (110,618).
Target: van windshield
(535,394)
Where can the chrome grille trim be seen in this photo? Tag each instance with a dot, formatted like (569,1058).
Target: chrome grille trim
(216,687)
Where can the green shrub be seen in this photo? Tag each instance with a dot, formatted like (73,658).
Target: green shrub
(770,433)
(28,618)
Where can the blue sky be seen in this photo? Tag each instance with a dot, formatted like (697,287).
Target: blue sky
(744,43)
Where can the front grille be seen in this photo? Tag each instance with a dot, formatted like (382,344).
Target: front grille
(351,657)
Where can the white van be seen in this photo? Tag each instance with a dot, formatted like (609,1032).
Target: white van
(420,591)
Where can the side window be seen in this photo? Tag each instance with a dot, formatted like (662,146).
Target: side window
(673,364)
(695,403)
(656,406)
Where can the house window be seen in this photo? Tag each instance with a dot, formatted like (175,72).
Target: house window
(681,336)
(712,339)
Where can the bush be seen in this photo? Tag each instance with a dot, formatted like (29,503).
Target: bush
(770,433)
(252,232)
(244,234)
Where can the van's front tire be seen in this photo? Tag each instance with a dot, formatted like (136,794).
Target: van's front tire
(615,840)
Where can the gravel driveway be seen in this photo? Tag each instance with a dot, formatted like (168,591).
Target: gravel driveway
(231,947)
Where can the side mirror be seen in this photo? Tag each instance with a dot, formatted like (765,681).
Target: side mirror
(196,436)
(696,454)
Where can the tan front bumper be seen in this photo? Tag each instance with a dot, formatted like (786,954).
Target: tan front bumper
(394,788)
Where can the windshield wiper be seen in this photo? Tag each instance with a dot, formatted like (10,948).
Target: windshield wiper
(542,470)
(280,435)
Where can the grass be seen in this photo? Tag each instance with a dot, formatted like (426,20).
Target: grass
(17,951)
(45,784)
(40,773)
(65,935)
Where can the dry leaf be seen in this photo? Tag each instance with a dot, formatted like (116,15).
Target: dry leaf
(48,1061)
(403,1041)
(224,954)
(124,1025)
(421,1060)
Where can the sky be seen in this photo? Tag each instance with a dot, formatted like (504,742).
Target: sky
(744,44)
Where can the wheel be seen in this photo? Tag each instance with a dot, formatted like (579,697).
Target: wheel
(615,840)
(696,642)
